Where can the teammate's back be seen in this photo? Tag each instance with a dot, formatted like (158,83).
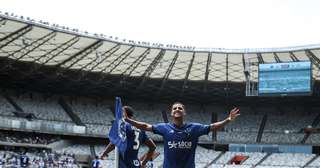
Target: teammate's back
(135,137)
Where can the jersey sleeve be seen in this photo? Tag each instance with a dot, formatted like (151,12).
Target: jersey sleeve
(128,129)
(144,136)
(159,128)
(201,129)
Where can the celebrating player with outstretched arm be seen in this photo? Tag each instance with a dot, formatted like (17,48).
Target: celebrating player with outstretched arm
(180,139)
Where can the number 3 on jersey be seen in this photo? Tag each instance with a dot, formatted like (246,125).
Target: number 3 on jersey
(136,139)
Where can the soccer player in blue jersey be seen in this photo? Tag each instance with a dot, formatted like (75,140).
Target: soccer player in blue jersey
(180,138)
(135,137)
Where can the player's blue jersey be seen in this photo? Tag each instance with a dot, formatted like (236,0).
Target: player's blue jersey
(180,143)
(135,137)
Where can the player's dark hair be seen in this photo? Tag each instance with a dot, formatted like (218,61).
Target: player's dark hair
(177,102)
(129,110)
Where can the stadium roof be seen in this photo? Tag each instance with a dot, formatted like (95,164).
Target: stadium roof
(56,56)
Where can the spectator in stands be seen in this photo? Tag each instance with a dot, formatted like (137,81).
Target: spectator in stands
(50,160)
(180,139)
(3,160)
(42,164)
(135,137)
(24,160)
(96,163)
(13,161)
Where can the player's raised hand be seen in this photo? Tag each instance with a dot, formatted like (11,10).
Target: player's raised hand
(234,113)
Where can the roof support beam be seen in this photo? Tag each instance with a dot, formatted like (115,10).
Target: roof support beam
(29,48)
(166,76)
(4,41)
(35,44)
(227,67)
(260,59)
(59,49)
(53,53)
(124,75)
(151,67)
(226,89)
(81,54)
(2,21)
(293,57)
(110,52)
(245,68)
(128,51)
(184,86)
(104,55)
(276,57)
(243,61)
(314,59)
(206,77)
(137,62)
(125,56)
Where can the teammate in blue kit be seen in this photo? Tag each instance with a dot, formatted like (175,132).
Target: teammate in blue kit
(180,139)
(135,137)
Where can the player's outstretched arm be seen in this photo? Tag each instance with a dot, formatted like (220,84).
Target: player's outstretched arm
(152,147)
(234,113)
(140,125)
(107,150)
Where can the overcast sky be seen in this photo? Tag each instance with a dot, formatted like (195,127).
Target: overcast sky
(201,23)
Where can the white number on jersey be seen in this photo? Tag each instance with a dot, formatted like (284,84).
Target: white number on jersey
(136,140)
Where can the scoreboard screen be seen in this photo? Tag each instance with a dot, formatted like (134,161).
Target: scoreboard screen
(281,79)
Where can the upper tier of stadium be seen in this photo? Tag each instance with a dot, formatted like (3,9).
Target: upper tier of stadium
(26,40)
(186,69)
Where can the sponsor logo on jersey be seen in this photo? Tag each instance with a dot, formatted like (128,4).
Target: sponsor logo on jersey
(136,163)
(179,144)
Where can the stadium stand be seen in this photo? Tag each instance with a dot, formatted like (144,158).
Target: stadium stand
(6,109)
(287,159)
(315,162)
(42,108)
(92,112)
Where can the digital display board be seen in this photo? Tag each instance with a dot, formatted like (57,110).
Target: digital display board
(289,78)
